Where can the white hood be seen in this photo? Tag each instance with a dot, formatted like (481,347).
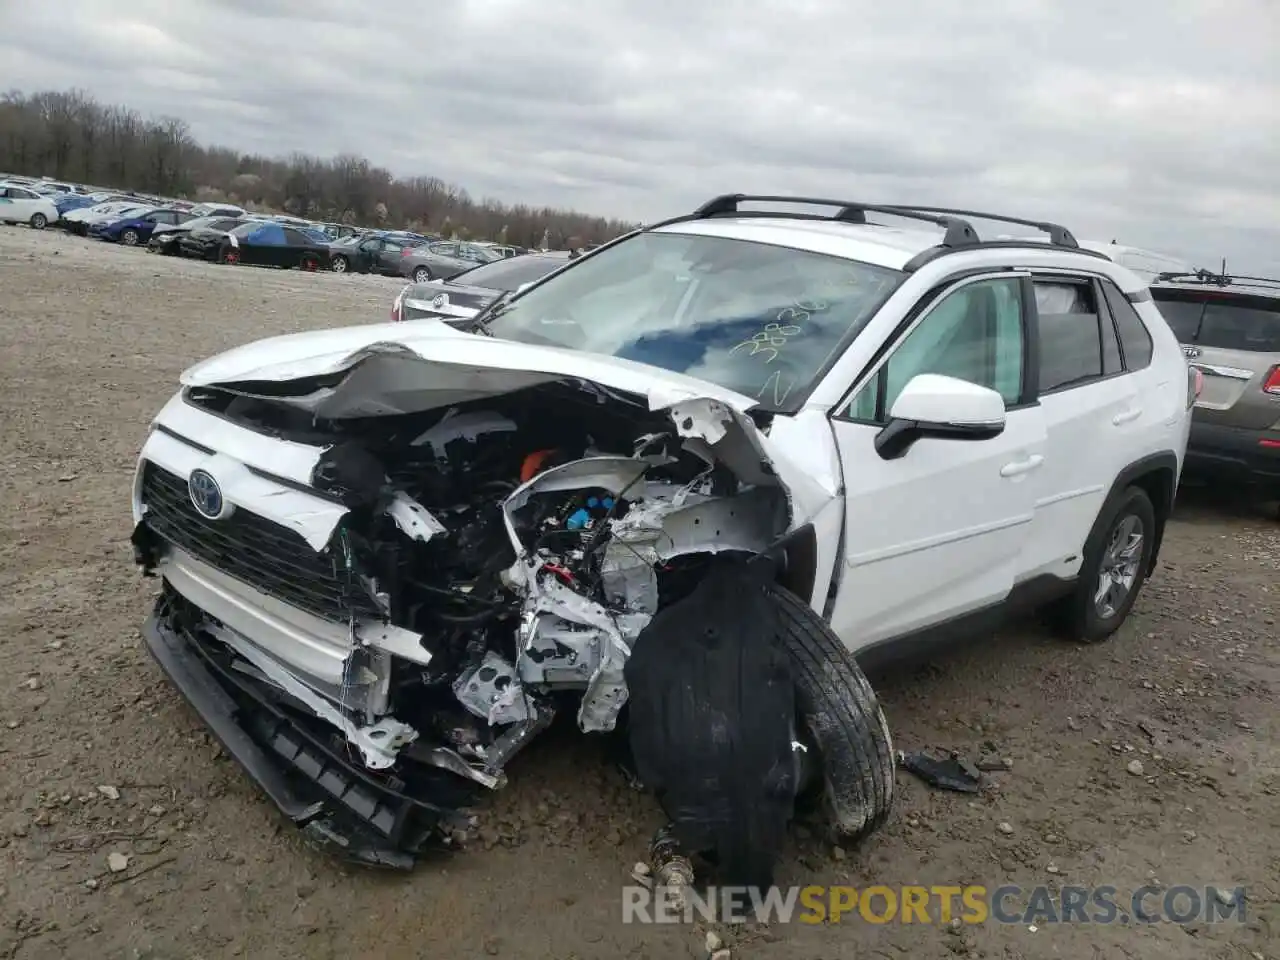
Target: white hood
(320,352)
(393,369)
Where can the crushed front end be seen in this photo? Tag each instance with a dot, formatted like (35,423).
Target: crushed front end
(375,612)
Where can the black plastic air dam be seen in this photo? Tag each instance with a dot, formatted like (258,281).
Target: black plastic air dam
(339,806)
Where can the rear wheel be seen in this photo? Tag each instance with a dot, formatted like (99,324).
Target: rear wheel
(39,221)
(1117,556)
(309,263)
(339,265)
(842,715)
(130,238)
(228,254)
(421,275)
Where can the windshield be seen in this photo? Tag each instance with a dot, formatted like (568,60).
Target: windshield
(509,274)
(760,319)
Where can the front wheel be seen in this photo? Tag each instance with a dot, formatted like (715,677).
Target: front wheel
(339,265)
(309,264)
(421,275)
(228,255)
(1117,556)
(39,221)
(842,716)
(130,238)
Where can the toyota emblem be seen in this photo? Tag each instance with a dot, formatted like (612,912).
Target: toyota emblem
(206,495)
(441,300)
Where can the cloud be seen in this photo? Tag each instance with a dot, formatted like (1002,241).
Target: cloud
(1151,121)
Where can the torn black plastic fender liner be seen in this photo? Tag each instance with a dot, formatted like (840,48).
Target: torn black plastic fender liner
(712,713)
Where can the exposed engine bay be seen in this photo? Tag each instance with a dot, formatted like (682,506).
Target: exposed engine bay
(498,559)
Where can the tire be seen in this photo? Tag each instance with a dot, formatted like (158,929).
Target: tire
(1081,616)
(843,716)
(130,238)
(421,275)
(39,221)
(309,264)
(228,255)
(339,265)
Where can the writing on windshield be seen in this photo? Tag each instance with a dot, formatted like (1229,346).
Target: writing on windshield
(760,319)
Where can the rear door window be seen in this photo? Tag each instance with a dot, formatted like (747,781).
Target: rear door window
(1070,344)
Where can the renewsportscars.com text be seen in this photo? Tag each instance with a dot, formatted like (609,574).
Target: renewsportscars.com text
(974,904)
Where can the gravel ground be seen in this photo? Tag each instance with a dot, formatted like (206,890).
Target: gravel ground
(100,757)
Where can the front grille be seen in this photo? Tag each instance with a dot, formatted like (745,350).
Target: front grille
(254,550)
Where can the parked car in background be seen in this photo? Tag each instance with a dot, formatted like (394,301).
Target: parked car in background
(79,221)
(379,253)
(260,243)
(502,249)
(217,210)
(133,230)
(55,186)
(1147,264)
(164,238)
(74,201)
(20,204)
(1230,331)
(459,299)
(338,231)
(442,260)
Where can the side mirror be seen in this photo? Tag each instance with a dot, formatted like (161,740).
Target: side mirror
(944,408)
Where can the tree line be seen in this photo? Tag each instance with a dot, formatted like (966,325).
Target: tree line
(70,136)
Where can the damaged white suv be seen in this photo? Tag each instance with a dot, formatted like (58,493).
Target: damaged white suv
(671,489)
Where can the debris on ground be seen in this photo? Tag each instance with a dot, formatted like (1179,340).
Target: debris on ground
(949,773)
(671,869)
(117,862)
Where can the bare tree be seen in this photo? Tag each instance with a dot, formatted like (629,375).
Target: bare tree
(69,135)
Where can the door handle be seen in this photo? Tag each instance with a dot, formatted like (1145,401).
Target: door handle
(1019,467)
(1120,419)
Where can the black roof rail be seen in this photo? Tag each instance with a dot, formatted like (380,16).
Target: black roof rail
(1059,235)
(958,232)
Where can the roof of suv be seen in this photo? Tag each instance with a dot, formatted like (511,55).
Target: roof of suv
(929,232)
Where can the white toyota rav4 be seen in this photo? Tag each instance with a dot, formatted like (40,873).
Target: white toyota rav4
(673,488)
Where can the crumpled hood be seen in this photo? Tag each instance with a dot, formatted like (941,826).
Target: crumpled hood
(320,352)
(391,369)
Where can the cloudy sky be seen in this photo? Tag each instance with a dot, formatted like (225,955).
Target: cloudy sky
(1155,122)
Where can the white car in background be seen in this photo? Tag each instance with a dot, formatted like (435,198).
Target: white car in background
(19,204)
(1145,263)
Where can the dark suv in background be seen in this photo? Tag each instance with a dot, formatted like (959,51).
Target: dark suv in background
(1229,328)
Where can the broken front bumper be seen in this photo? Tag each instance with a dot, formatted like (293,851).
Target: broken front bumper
(339,805)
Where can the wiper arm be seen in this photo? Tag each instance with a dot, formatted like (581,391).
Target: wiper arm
(480,322)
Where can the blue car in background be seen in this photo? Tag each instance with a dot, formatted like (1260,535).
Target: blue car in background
(132,231)
(73,201)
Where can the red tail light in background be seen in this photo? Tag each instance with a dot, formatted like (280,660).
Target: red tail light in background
(397,308)
(1272,384)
